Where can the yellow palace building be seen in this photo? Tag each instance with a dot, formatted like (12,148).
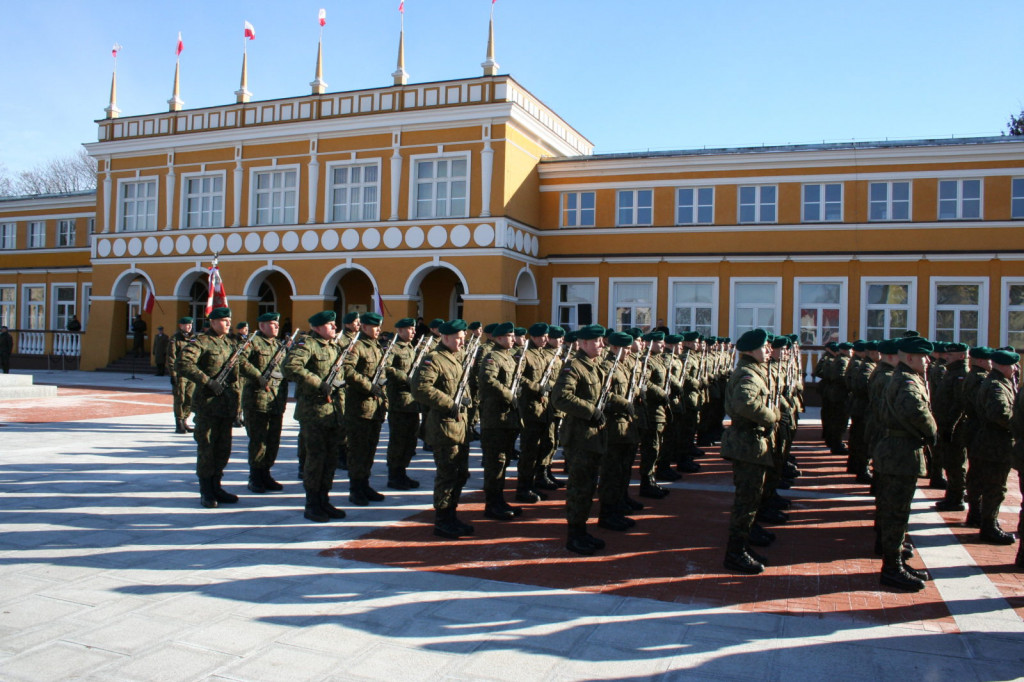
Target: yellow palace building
(471,198)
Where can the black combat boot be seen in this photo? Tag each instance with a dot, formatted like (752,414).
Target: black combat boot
(649,488)
(1020,556)
(894,575)
(951,503)
(396,481)
(444,526)
(578,541)
(973,519)
(759,537)
(542,482)
(188,429)
(527,495)
(371,494)
(737,559)
(864,477)
(256,483)
(756,556)
(329,509)
(992,534)
(633,505)
(207,495)
(920,574)
(314,511)
(611,519)
(494,509)
(687,466)
(223,496)
(772,516)
(269,483)
(938,481)
(464,528)
(179,426)
(357,492)
(550,475)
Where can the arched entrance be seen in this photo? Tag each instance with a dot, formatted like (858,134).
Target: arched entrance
(349,289)
(129,294)
(272,289)
(439,290)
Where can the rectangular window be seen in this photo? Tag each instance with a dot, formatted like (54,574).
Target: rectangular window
(959,199)
(575,303)
(36,234)
(276,197)
(887,310)
(633,304)
(442,188)
(8,306)
(695,205)
(65,233)
(957,310)
(755,305)
(889,201)
(578,209)
(138,206)
(636,207)
(693,307)
(1017,198)
(823,203)
(820,306)
(1015,314)
(354,193)
(8,235)
(757,203)
(204,201)
(34,297)
(64,305)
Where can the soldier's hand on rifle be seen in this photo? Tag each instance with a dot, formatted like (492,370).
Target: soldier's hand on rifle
(215,387)
(630,410)
(325,388)
(597,418)
(264,382)
(377,391)
(276,374)
(467,402)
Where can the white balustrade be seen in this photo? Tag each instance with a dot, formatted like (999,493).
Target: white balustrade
(67,344)
(31,343)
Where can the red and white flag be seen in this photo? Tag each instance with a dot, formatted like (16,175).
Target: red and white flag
(180,47)
(401,6)
(150,302)
(250,32)
(322,17)
(216,296)
(378,303)
(115,49)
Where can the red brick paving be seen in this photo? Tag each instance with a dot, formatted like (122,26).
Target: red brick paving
(78,404)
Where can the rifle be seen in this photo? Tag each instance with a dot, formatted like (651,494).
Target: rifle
(602,399)
(378,376)
(546,377)
(634,382)
(518,377)
(467,370)
(226,368)
(331,381)
(276,360)
(423,347)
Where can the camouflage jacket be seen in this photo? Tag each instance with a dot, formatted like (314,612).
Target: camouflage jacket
(435,385)
(307,364)
(399,389)
(909,425)
(200,362)
(497,404)
(746,401)
(576,394)
(534,397)
(174,348)
(253,363)
(994,441)
(362,399)
(621,427)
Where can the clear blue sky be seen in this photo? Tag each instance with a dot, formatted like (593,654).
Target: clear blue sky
(630,75)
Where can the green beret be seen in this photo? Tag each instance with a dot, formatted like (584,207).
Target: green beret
(371,319)
(186,320)
(268,317)
(1007,348)
(858,345)
(674,339)
(1005,357)
(691,336)
(915,344)
(324,317)
(752,340)
(489,329)
(845,345)
(981,352)
(241,325)
(405,322)
(635,332)
(620,340)
(520,331)
(590,332)
(570,336)
(437,322)
(726,340)
(539,329)
(219,313)
(473,326)
(654,336)
(794,338)
(871,345)
(781,342)
(832,345)
(503,328)
(555,332)
(609,331)
(910,333)
(888,347)
(452,326)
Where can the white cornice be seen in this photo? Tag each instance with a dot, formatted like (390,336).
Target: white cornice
(777,227)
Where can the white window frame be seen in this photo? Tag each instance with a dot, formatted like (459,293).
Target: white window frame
(1005,308)
(120,201)
(959,200)
(415,160)
(10,306)
(613,320)
(889,201)
(696,205)
(673,303)
(56,305)
(36,239)
(8,236)
(1017,198)
(822,202)
(775,281)
(564,210)
(844,302)
(183,199)
(556,307)
(983,304)
(26,305)
(254,173)
(331,186)
(911,306)
(759,205)
(635,209)
(66,232)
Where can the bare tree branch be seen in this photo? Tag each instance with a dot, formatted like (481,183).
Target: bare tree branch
(73,173)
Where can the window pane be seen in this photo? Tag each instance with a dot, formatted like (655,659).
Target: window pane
(944,319)
(901,191)
(811,292)
(763,292)
(956,294)
(888,293)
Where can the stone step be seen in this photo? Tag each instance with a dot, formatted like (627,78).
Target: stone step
(27,392)
(8,380)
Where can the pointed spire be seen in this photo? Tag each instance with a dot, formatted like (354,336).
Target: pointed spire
(175,103)
(112,110)
(400,75)
(242,94)
(319,85)
(490,66)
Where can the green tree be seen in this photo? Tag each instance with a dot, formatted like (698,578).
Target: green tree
(1016,124)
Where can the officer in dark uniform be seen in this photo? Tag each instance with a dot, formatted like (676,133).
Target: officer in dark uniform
(403,410)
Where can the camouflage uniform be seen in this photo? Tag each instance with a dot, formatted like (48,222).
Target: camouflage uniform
(1017,424)
(403,416)
(535,412)
(857,378)
(874,421)
(262,404)
(834,409)
(499,418)
(966,428)
(181,387)
(992,446)
(365,408)
(623,435)
(657,408)
(948,410)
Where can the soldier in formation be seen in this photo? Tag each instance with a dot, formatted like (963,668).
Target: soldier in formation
(181,387)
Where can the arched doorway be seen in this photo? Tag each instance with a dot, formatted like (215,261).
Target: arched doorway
(439,291)
(129,294)
(349,290)
(272,288)
(198,294)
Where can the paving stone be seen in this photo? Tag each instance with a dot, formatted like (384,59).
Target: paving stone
(60,661)
(168,663)
(280,662)
(391,662)
(35,610)
(129,634)
(235,637)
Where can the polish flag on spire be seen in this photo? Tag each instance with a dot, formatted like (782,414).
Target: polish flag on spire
(115,49)
(181,46)
(401,7)
(250,32)
(322,17)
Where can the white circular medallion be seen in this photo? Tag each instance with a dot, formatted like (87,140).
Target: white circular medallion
(150,245)
(460,235)
(182,244)
(483,235)
(252,242)
(329,240)
(135,246)
(199,243)
(535,245)
(166,245)
(271,241)
(234,242)
(103,248)
(392,237)
(437,237)
(217,243)
(349,239)
(120,246)
(414,237)
(519,240)
(290,241)
(510,237)
(371,238)
(310,240)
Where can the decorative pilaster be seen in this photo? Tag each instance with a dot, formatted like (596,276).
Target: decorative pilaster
(486,173)
(396,174)
(237,196)
(314,178)
(107,195)
(169,182)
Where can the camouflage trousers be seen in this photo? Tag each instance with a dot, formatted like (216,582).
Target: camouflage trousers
(181,390)
(402,428)
(320,437)
(362,437)
(616,467)
(953,457)
(858,444)
(893,495)
(213,444)
(496,445)
(748,479)
(834,420)
(264,431)
(549,444)
(579,490)
(452,463)
(534,446)
(650,448)
(986,487)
